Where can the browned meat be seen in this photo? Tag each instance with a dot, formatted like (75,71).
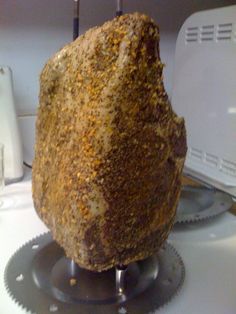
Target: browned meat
(109,148)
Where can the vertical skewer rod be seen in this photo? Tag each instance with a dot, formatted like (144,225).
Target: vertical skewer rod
(76,19)
(119,7)
(120,279)
(73,267)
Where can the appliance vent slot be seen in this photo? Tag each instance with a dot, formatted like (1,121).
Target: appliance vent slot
(211,160)
(207,33)
(224,31)
(191,34)
(228,167)
(208,27)
(196,153)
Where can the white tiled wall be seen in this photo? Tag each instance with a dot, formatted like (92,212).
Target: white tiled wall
(32,30)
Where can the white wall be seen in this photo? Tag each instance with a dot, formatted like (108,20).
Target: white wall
(32,30)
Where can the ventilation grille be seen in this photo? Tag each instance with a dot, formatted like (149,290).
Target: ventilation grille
(228,167)
(209,33)
(224,166)
(211,160)
(224,31)
(196,154)
(191,34)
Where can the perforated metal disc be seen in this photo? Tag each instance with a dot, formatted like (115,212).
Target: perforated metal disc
(38,277)
(199,203)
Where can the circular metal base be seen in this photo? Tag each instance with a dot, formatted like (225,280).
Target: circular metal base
(41,279)
(198,203)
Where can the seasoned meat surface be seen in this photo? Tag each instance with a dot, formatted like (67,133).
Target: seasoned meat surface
(109,149)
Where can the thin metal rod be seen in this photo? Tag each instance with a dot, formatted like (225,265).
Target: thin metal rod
(76,19)
(120,279)
(73,267)
(119,7)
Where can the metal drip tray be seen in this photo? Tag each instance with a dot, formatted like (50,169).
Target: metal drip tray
(54,275)
(41,279)
(198,203)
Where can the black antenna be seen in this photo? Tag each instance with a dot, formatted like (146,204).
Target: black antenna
(119,7)
(76,19)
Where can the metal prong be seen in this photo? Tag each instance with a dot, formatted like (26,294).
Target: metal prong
(73,267)
(119,7)
(120,279)
(76,19)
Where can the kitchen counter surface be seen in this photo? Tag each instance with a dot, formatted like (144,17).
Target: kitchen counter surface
(207,248)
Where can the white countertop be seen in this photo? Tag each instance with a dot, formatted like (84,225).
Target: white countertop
(208,250)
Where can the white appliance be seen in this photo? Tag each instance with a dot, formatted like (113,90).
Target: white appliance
(204,92)
(9,131)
